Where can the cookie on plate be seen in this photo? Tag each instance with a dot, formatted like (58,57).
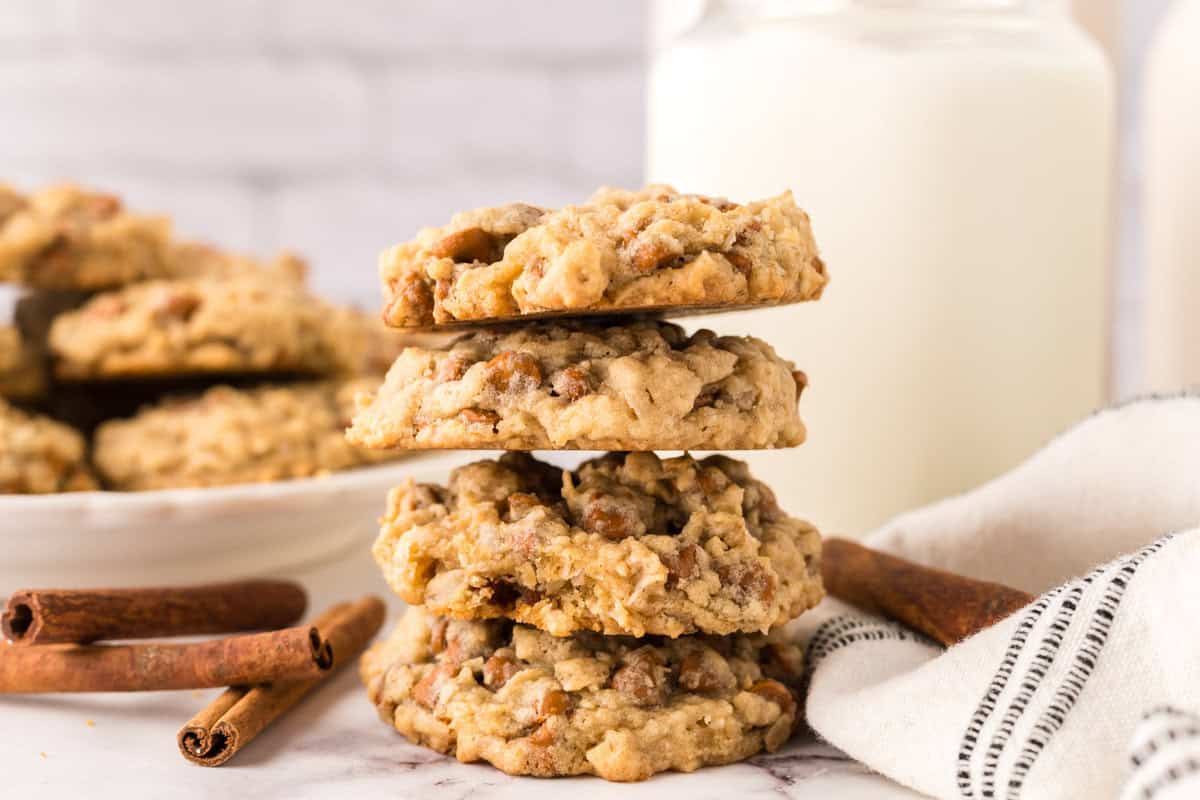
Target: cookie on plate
(39,455)
(195,326)
(227,436)
(619,251)
(579,385)
(67,238)
(626,544)
(617,707)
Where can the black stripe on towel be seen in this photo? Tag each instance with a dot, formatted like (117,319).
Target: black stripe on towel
(965,775)
(848,629)
(1004,673)
(1039,667)
(1054,715)
(832,629)
(988,704)
(1172,724)
(1180,770)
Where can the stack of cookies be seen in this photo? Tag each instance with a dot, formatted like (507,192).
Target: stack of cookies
(621,618)
(186,365)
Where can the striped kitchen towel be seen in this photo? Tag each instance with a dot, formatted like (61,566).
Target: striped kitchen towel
(1091,691)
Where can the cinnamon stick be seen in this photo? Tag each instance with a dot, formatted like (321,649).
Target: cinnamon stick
(52,616)
(945,607)
(234,719)
(289,654)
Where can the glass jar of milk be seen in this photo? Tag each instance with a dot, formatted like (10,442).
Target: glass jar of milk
(956,158)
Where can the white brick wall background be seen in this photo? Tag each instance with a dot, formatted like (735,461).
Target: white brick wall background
(337,127)
(332,128)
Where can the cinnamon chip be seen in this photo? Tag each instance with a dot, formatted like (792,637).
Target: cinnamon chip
(643,677)
(513,371)
(498,669)
(469,245)
(571,383)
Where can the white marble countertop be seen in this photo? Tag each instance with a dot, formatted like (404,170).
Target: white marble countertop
(333,745)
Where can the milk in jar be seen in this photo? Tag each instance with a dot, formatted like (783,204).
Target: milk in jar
(955,158)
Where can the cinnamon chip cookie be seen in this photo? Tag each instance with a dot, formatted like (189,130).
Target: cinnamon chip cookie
(617,707)
(234,325)
(625,544)
(228,435)
(65,237)
(573,385)
(39,455)
(619,251)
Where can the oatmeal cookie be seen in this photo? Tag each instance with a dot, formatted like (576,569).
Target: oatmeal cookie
(179,327)
(39,455)
(625,544)
(65,237)
(617,707)
(576,385)
(228,435)
(621,250)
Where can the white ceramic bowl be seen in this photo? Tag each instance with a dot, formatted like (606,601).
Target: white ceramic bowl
(193,535)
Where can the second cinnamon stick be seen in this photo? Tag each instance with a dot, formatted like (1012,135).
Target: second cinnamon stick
(235,718)
(290,654)
(945,607)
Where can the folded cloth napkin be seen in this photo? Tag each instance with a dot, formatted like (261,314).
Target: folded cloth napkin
(1091,691)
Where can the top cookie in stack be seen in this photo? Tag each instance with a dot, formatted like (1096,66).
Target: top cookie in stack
(622,618)
(621,251)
